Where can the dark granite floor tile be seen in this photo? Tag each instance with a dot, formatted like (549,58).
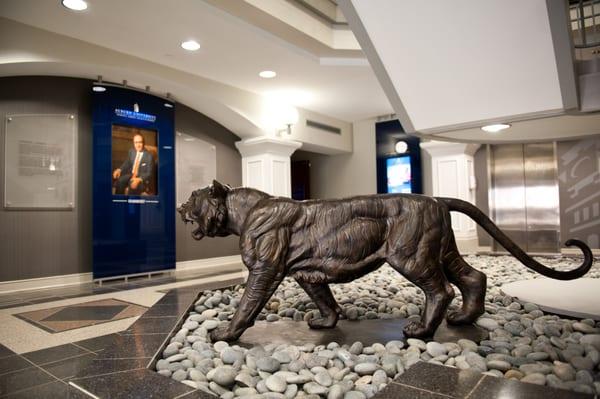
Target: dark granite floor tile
(122,286)
(107,366)
(198,394)
(4,351)
(491,387)
(167,310)
(24,379)
(132,384)
(86,289)
(152,325)
(133,346)
(51,390)
(154,282)
(54,354)
(44,300)
(67,368)
(13,305)
(70,295)
(13,363)
(173,296)
(74,313)
(214,285)
(12,300)
(173,299)
(11,297)
(96,344)
(440,379)
(35,294)
(74,393)
(395,391)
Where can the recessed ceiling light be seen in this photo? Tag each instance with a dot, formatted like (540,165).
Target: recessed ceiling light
(75,5)
(267,74)
(495,128)
(99,89)
(191,45)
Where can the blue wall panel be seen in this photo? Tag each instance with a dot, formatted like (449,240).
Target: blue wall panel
(388,134)
(135,233)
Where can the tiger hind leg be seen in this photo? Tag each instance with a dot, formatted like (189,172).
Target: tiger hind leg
(471,283)
(427,275)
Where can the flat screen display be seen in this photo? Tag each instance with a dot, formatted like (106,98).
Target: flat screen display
(398,175)
(134,161)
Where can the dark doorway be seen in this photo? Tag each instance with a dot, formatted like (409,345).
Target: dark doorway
(300,180)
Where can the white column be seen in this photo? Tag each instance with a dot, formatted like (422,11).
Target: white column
(453,176)
(266,164)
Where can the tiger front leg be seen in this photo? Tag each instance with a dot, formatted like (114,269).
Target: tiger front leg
(322,297)
(259,288)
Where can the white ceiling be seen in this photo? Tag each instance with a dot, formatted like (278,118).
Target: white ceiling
(450,67)
(233,51)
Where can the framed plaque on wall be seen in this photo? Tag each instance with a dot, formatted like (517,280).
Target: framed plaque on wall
(196,165)
(39,168)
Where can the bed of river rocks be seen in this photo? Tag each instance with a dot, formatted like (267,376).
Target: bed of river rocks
(524,342)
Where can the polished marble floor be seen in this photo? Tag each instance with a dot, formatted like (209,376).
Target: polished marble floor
(32,297)
(39,363)
(21,336)
(114,359)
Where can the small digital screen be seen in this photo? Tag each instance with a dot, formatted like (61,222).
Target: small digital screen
(134,161)
(398,175)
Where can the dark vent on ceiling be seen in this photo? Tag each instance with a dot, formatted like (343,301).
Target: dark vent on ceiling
(322,126)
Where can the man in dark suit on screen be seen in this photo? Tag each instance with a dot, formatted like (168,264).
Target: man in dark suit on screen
(137,170)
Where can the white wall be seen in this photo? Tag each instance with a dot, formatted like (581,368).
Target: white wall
(338,176)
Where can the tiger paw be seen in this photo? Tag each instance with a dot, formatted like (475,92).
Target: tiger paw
(223,333)
(416,329)
(323,322)
(459,317)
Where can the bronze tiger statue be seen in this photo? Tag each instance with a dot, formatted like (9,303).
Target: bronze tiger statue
(318,242)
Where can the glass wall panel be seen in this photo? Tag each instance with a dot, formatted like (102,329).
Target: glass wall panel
(39,161)
(196,165)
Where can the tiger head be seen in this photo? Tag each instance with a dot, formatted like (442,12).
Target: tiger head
(207,208)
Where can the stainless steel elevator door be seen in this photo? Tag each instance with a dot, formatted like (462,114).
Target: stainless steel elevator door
(524,195)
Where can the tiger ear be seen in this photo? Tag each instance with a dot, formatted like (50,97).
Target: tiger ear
(218,190)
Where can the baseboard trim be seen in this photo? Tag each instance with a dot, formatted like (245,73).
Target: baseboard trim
(564,251)
(577,251)
(223,265)
(45,282)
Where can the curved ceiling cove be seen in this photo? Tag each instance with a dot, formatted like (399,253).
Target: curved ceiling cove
(233,51)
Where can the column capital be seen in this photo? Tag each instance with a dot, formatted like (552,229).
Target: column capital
(442,148)
(267,145)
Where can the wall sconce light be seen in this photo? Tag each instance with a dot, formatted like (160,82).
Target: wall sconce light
(401,147)
(288,117)
(278,116)
(287,130)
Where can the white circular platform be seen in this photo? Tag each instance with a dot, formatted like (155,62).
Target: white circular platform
(576,298)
